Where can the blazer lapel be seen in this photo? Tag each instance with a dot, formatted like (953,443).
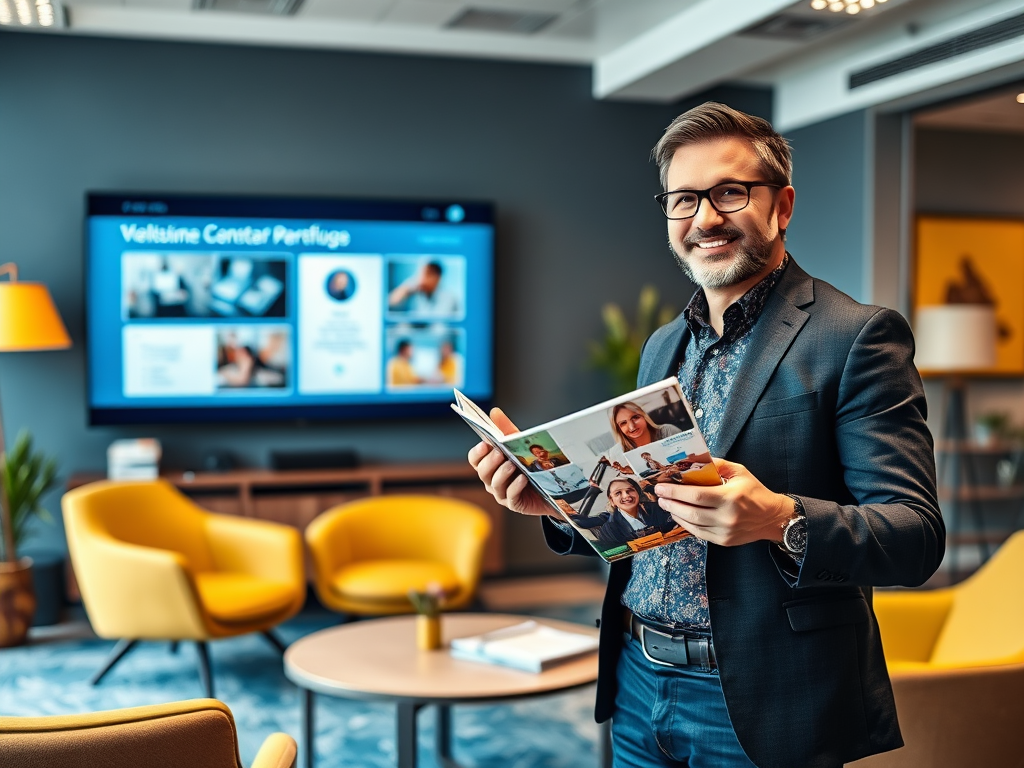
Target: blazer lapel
(780,322)
(661,355)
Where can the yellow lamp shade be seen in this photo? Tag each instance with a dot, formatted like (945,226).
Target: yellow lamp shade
(29,320)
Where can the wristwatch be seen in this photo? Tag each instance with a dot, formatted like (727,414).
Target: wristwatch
(794,531)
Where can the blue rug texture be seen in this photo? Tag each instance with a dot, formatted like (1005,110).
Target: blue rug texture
(51,677)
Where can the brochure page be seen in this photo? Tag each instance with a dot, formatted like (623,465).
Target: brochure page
(598,467)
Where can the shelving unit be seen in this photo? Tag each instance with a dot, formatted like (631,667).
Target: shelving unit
(980,507)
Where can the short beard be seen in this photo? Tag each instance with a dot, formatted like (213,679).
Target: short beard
(750,259)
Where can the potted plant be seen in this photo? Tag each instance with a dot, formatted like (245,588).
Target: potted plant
(618,353)
(25,476)
(990,427)
(427,605)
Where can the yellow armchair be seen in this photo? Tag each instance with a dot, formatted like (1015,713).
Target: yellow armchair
(956,659)
(151,565)
(199,733)
(368,554)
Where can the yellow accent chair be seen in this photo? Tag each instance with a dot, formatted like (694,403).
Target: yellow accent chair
(151,565)
(199,734)
(368,554)
(956,659)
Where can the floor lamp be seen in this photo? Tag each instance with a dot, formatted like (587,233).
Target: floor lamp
(29,322)
(955,341)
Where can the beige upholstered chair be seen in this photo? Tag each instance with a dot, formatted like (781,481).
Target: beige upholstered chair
(198,734)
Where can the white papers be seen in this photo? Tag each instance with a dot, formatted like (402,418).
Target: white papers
(137,459)
(529,646)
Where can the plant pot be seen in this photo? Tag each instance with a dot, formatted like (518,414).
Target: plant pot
(428,632)
(17,601)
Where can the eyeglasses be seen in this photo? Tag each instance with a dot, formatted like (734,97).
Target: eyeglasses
(729,197)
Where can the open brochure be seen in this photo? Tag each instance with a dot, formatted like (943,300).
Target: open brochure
(529,646)
(598,467)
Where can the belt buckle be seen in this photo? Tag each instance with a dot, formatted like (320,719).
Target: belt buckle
(673,646)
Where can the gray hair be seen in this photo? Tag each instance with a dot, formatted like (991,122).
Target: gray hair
(712,120)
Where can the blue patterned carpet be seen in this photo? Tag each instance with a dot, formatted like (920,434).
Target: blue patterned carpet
(49,677)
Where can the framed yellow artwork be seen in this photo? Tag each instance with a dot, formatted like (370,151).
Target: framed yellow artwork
(974,260)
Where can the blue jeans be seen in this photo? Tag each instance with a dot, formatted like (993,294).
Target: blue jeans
(671,717)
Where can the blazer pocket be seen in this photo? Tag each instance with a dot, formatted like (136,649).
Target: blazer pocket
(821,614)
(808,401)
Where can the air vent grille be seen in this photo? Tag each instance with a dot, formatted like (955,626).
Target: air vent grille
(1007,29)
(787,26)
(508,22)
(260,7)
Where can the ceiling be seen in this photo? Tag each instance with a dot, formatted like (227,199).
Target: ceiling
(996,112)
(640,50)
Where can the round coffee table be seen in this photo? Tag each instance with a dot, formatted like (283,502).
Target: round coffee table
(377,660)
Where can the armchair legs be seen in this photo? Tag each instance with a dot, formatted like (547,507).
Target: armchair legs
(122,647)
(275,641)
(205,676)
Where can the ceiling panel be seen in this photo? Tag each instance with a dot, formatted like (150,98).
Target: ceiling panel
(423,13)
(999,112)
(345,10)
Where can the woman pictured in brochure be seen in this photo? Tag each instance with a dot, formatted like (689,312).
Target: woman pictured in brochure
(633,427)
(631,514)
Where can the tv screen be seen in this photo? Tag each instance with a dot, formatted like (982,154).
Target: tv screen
(203,308)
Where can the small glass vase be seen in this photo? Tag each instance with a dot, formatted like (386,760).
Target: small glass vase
(428,632)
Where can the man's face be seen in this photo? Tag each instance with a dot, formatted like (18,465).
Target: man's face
(717,250)
(539,452)
(430,280)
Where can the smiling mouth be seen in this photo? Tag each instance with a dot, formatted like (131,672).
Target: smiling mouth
(710,244)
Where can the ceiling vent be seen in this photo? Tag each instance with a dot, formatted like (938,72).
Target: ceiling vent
(1000,32)
(260,7)
(506,22)
(787,26)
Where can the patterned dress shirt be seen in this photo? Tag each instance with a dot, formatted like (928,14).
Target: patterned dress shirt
(667,583)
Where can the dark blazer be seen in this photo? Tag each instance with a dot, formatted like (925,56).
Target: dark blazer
(828,406)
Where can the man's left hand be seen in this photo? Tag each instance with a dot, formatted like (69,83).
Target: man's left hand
(739,511)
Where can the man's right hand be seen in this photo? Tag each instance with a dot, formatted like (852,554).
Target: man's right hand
(502,478)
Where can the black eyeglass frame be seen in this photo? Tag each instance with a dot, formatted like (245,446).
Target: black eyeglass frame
(705,194)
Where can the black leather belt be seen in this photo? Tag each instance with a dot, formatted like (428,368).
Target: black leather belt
(673,647)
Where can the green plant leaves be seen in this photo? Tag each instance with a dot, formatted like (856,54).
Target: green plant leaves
(26,476)
(618,353)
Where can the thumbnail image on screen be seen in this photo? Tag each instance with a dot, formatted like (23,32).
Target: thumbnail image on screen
(156,285)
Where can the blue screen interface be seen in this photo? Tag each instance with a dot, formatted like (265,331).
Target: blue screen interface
(212,305)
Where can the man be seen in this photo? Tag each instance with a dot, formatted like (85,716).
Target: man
(422,295)
(753,641)
(542,454)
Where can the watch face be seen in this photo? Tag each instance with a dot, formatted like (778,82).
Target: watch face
(795,536)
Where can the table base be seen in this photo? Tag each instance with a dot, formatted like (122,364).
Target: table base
(406,736)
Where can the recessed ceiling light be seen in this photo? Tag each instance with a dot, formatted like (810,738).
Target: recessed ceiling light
(29,13)
(865,4)
(1020,98)
(836,7)
(853,8)
(818,5)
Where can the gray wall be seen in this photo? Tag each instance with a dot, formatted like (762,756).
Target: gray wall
(972,173)
(570,177)
(830,221)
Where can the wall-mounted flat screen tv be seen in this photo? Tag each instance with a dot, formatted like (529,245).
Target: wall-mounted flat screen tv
(203,308)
